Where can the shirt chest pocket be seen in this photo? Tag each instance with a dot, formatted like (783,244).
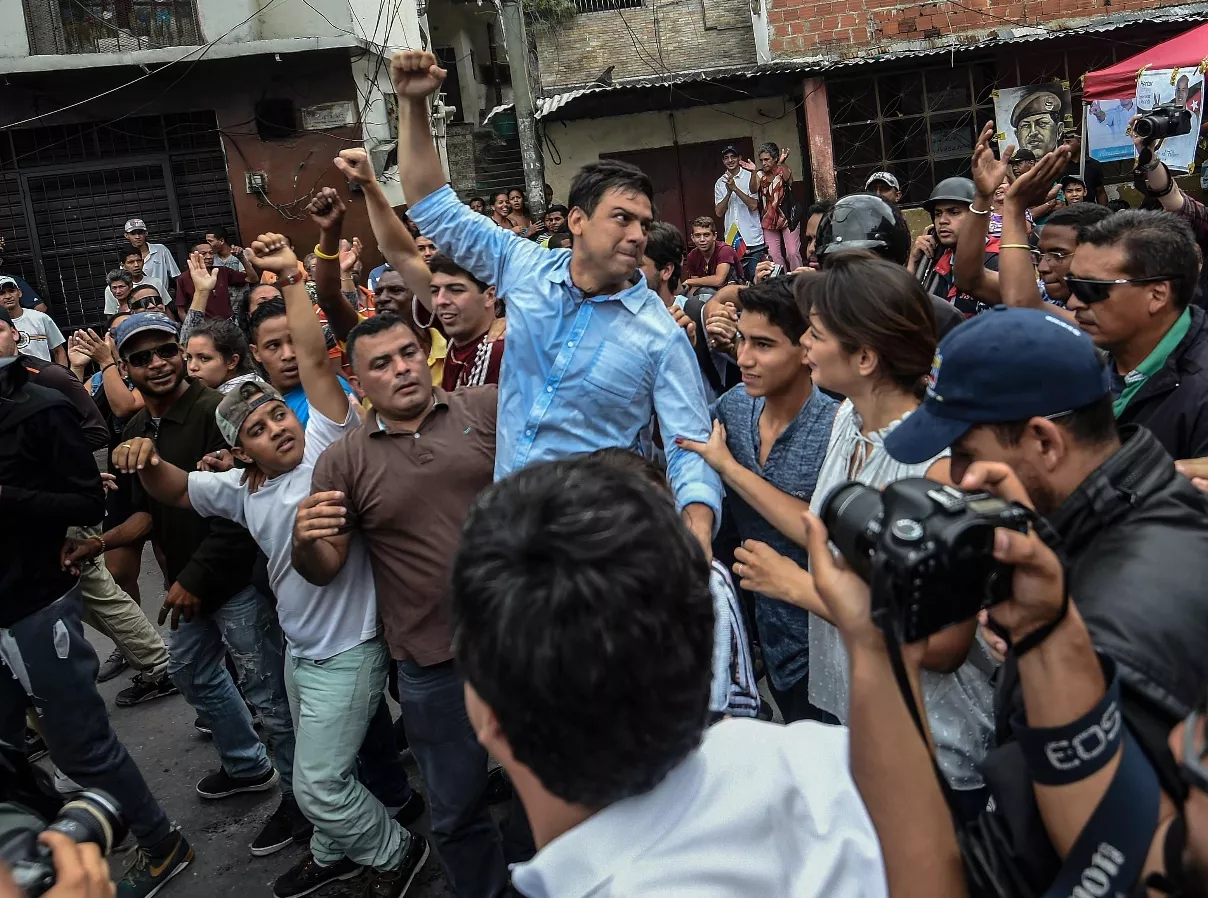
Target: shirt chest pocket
(617,371)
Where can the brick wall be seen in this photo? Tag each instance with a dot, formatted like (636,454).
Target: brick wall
(845,28)
(691,34)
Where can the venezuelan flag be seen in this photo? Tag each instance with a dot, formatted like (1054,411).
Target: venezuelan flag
(734,238)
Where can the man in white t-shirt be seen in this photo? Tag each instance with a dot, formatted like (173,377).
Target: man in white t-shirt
(45,341)
(736,201)
(337,663)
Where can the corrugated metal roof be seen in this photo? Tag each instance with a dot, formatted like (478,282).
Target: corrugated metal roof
(1187,12)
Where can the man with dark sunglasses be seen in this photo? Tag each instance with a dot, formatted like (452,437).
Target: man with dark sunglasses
(212,602)
(1131,284)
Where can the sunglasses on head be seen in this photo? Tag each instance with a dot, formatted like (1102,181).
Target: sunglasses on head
(142,358)
(147,302)
(1093,290)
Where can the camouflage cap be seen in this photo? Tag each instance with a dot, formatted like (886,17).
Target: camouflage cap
(239,403)
(1039,103)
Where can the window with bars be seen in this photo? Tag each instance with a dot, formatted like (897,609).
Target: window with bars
(920,125)
(66,190)
(585,6)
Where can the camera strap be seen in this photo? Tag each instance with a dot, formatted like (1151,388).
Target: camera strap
(1110,852)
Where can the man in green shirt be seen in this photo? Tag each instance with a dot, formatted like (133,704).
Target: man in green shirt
(1131,286)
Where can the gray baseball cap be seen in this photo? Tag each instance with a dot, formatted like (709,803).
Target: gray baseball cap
(239,403)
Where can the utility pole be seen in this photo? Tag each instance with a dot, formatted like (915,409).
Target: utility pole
(511,17)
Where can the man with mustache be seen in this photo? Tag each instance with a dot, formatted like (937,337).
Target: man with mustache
(1037,121)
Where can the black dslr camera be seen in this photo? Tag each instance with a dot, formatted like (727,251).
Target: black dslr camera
(925,548)
(29,804)
(1160,122)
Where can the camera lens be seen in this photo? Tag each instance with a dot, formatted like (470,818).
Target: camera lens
(852,515)
(91,816)
(1146,127)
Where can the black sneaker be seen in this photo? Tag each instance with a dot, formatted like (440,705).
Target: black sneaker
(35,746)
(153,867)
(203,726)
(144,689)
(282,828)
(112,666)
(221,784)
(499,787)
(394,883)
(411,811)
(307,875)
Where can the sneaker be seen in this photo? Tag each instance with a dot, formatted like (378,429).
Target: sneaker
(308,875)
(394,883)
(499,787)
(203,726)
(112,666)
(411,811)
(283,828)
(144,689)
(153,867)
(221,784)
(35,745)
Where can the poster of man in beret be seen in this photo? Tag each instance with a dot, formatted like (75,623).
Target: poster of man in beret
(1033,117)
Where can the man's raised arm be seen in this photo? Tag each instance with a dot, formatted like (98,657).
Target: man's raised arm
(393,238)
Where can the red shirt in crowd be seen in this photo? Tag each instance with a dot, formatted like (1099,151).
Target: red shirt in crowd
(697,266)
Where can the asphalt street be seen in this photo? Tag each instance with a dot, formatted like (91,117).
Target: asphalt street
(173,756)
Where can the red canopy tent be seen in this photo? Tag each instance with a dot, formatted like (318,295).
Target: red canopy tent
(1187,50)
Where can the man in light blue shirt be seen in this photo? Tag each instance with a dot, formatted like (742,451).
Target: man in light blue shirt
(592,353)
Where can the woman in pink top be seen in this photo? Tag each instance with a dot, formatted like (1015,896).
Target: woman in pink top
(775,179)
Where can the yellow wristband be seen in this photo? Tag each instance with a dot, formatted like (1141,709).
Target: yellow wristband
(323,255)
(1015,246)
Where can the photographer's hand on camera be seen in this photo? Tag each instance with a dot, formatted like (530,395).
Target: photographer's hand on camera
(1151,174)
(80,870)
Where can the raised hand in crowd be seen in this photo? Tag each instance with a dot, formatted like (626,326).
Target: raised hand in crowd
(92,346)
(204,280)
(350,255)
(327,210)
(394,240)
(987,172)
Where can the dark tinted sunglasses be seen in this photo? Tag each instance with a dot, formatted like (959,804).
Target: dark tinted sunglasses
(142,358)
(147,302)
(1093,290)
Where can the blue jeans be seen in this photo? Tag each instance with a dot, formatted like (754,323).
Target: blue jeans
(753,256)
(247,625)
(454,767)
(52,665)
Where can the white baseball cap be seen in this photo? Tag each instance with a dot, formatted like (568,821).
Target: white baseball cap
(135,224)
(884,176)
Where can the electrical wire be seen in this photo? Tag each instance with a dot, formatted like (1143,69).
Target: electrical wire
(204,49)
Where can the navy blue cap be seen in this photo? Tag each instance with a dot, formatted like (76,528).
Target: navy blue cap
(1004,365)
(141,323)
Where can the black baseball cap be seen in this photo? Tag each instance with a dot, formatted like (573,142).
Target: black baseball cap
(730,148)
(1004,365)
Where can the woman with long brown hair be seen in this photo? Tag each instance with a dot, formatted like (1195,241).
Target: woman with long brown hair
(872,338)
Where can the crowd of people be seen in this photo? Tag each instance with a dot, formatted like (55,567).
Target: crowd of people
(556,484)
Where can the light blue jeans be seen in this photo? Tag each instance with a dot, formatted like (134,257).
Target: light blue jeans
(247,625)
(332,702)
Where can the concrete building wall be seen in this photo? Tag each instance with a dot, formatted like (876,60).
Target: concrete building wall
(295,165)
(469,30)
(582,141)
(14,41)
(849,28)
(659,37)
(328,18)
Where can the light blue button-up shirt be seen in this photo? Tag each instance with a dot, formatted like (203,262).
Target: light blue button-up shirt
(580,373)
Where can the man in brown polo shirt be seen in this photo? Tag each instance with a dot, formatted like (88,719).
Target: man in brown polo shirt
(405,481)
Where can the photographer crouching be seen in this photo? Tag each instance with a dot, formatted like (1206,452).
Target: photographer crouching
(1134,543)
